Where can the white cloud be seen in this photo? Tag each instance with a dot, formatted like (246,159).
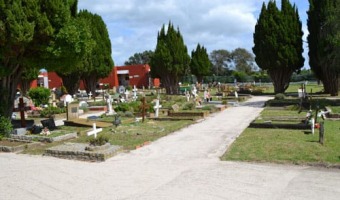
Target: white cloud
(216,24)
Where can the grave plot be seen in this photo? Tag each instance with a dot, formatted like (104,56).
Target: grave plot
(12,145)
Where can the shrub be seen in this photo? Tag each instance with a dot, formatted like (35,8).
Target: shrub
(39,95)
(100,140)
(280,96)
(5,127)
(128,114)
(188,106)
(50,111)
(224,102)
(123,107)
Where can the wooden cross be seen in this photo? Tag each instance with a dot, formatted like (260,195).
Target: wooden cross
(94,131)
(144,106)
(22,110)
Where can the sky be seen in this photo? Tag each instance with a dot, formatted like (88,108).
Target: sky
(216,24)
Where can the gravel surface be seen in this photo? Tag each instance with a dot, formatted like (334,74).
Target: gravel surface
(183,165)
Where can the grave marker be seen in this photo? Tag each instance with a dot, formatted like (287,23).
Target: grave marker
(134,92)
(94,131)
(175,107)
(22,110)
(157,107)
(72,111)
(109,101)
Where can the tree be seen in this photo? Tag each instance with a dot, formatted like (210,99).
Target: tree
(200,64)
(98,64)
(220,60)
(278,43)
(243,60)
(170,60)
(29,74)
(323,41)
(140,58)
(35,33)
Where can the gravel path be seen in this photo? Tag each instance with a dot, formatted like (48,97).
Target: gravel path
(183,165)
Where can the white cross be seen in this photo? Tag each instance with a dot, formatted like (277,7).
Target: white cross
(90,95)
(157,107)
(94,131)
(134,92)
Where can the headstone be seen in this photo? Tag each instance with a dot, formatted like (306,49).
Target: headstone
(94,131)
(121,89)
(109,101)
(134,92)
(194,91)
(300,93)
(83,104)
(72,111)
(54,100)
(175,107)
(22,109)
(49,123)
(157,107)
(312,124)
(187,94)
(90,95)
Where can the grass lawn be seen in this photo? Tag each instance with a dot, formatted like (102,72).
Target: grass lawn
(287,146)
(335,109)
(293,87)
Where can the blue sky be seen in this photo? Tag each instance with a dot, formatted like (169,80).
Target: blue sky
(216,24)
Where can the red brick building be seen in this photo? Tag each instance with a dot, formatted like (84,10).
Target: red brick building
(120,75)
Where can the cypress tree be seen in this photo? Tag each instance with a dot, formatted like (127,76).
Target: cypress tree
(278,43)
(170,60)
(323,41)
(200,64)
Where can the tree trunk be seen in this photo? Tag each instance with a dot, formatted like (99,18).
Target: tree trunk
(281,78)
(170,83)
(90,83)
(71,82)
(25,86)
(8,89)
(331,81)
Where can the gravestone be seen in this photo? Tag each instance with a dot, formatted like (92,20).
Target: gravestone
(90,95)
(49,123)
(121,89)
(94,131)
(187,94)
(157,107)
(236,95)
(54,100)
(194,91)
(72,111)
(134,92)
(109,101)
(127,95)
(175,107)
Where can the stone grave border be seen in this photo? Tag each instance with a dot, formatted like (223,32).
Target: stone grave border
(83,152)
(18,148)
(40,138)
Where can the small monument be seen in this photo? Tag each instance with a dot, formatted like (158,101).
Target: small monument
(187,95)
(109,101)
(194,92)
(134,92)
(127,95)
(90,95)
(121,89)
(236,95)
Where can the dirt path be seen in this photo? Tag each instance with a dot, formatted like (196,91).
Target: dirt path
(183,165)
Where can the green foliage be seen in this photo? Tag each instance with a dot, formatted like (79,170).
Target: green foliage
(5,127)
(220,60)
(244,60)
(39,95)
(100,140)
(140,58)
(280,96)
(323,42)
(188,106)
(170,60)
(50,111)
(278,43)
(131,106)
(200,64)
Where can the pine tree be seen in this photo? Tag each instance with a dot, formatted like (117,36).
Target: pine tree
(278,43)
(170,60)
(200,64)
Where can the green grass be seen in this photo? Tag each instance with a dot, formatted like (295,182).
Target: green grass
(335,109)
(287,146)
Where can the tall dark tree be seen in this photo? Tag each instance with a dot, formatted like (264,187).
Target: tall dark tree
(244,60)
(98,64)
(323,41)
(278,43)
(140,58)
(170,60)
(29,74)
(221,59)
(33,33)
(200,64)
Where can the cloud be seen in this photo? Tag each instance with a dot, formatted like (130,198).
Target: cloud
(217,24)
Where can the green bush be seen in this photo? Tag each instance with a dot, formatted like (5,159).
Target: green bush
(123,107)
(128,114)
(50,111)
(189,106)
(280,96)
(224,102)
(100,140)
(5,127)
(39,95)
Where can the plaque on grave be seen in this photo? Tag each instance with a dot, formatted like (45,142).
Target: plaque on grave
(49,123)
(121,89)
(72,111)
